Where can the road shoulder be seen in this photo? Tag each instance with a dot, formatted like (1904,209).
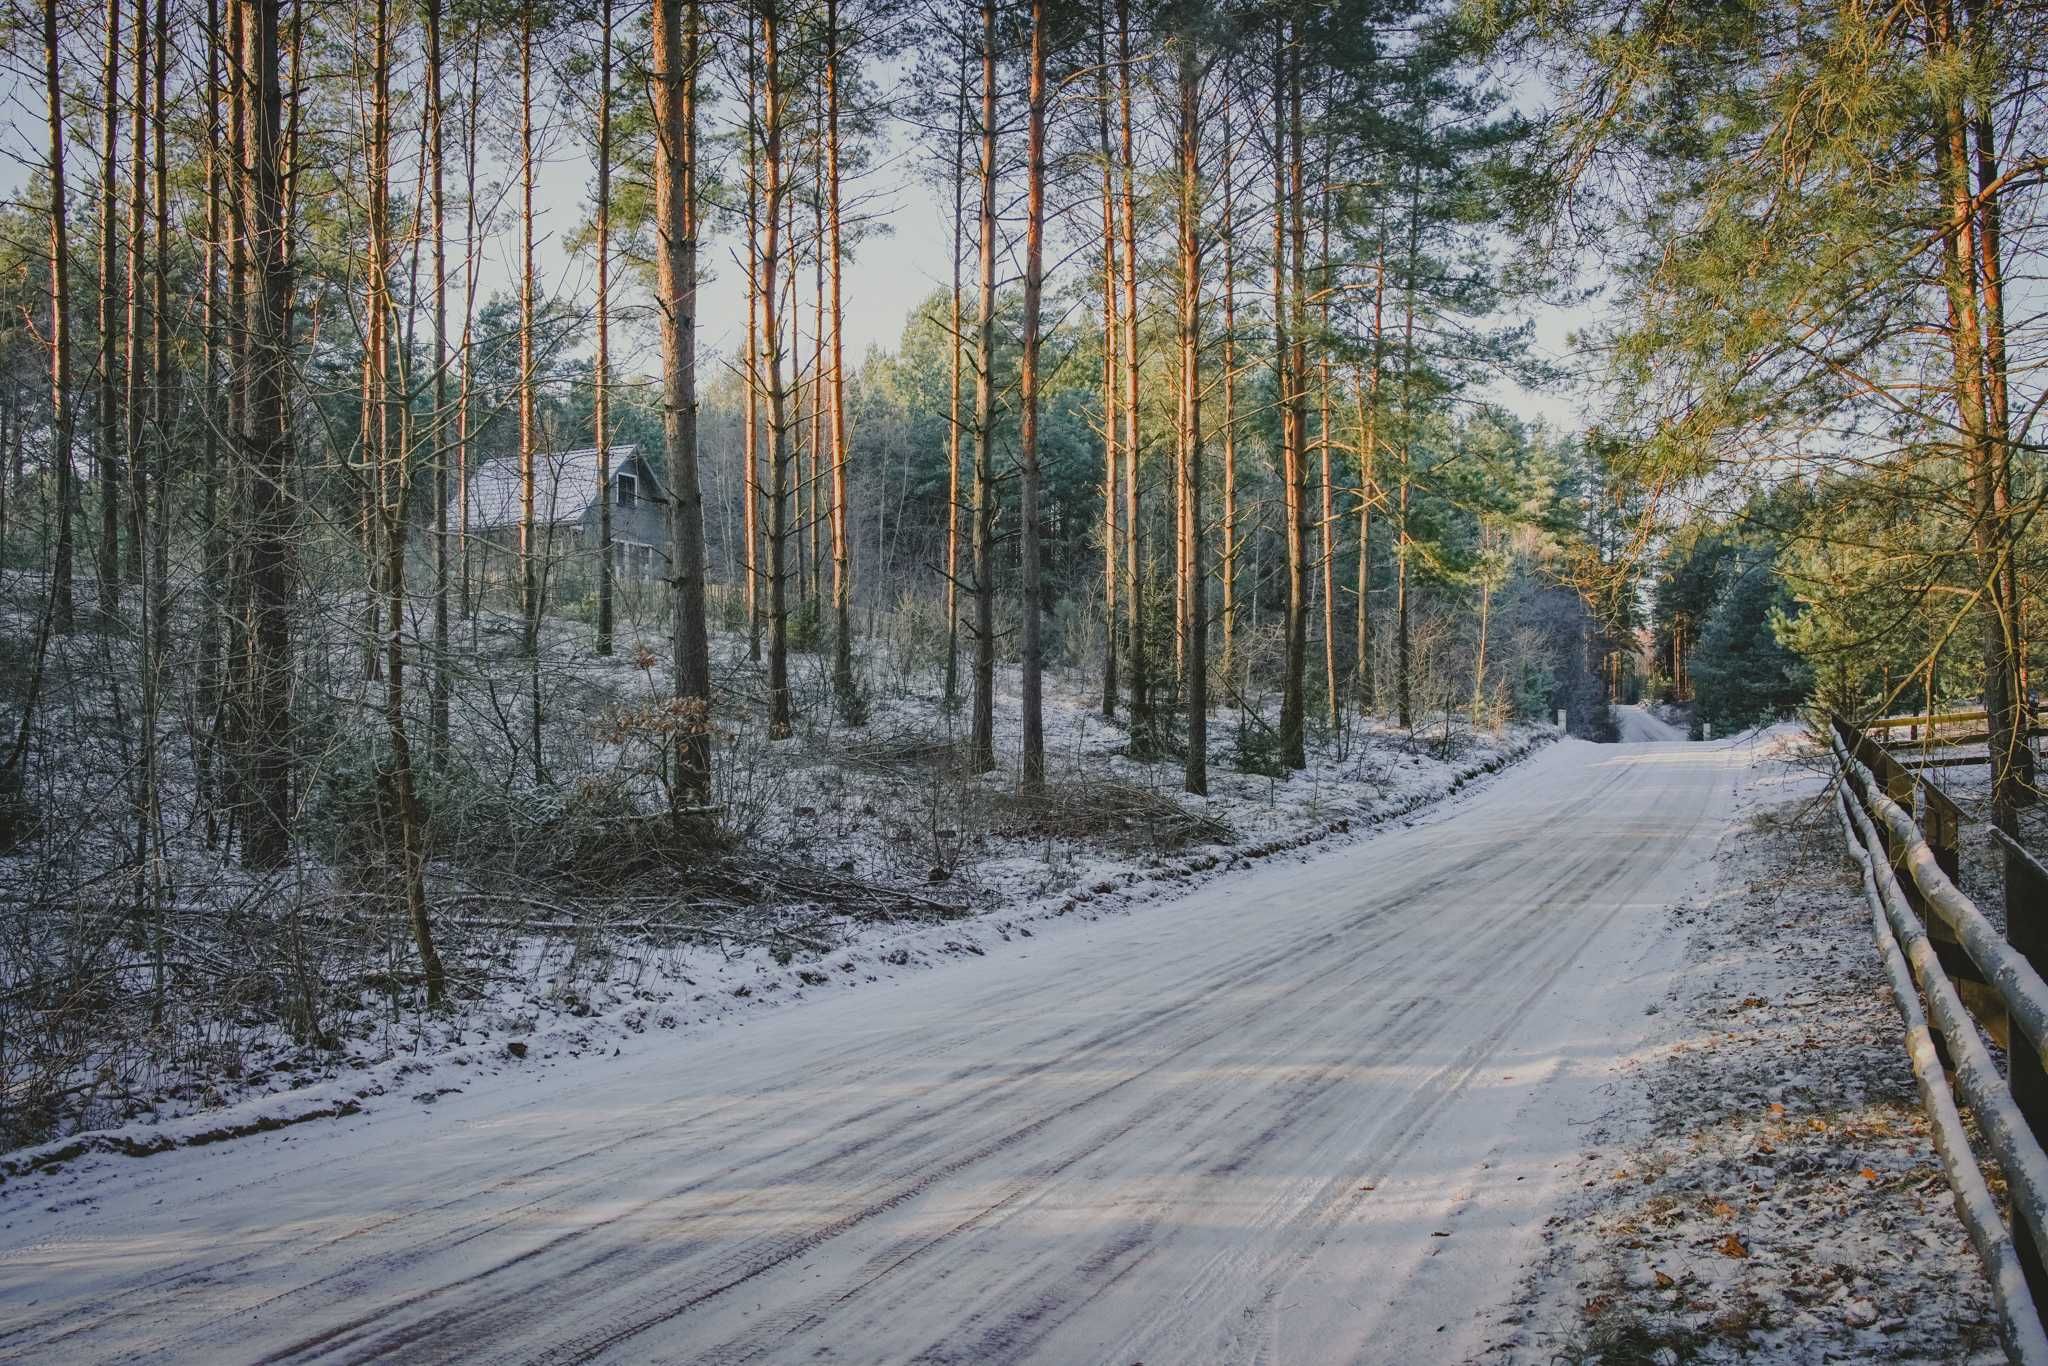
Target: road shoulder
(1766,1188)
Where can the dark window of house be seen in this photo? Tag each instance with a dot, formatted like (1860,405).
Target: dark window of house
(625,482)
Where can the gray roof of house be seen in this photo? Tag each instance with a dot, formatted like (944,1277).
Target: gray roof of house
(564,485)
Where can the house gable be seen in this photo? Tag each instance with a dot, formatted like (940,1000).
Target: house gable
(564,488)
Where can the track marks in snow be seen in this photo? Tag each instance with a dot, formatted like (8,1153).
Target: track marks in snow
(1145,1140)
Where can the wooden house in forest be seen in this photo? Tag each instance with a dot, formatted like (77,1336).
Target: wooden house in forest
(565,514)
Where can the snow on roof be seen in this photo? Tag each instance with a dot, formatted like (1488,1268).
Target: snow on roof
(564,484)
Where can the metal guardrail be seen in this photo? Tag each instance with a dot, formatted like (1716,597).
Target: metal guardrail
(1939,947)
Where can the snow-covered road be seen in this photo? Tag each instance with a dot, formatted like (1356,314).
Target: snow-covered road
(1638,726)
(1315,1111)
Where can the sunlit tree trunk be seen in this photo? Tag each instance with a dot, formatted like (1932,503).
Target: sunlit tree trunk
(61,606)
(816,485)
(1195,625)
(842,564)
(375,415)
(109,415)
(238,642)
(1142,738)
(1989,191)
(1297,225)
(983,733)
(1404,681)
(1109,372)
(1985,456)
(1367,394)
(134,368)
(1031,681)
(163,398)
(1227,557)
(1325,284)
(1293,465)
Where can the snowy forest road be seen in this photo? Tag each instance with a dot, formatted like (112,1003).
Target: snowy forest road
(1638,726)
(1313,1111)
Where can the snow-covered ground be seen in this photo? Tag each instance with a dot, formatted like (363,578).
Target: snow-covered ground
(1318,1108)
(1764,1188)
(562,933)
(1594,1064)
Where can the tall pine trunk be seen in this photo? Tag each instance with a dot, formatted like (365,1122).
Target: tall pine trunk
(815,486)
(1229,550)
(529,435)
(265,441)
(61,606)
(751,437)
(472,262)
(843,686)
(955,350)
(983,734)
(1367,393)
(676,28)
(601,366)
(1030,485)
(1293,466)
(443,685)
(1143,741)
(1333,697)
(155,605)
(109,415)
(134,367)
(1297,225)
(238,641)
(1404,684)
(1195,624)
(393,475)
(780,724)
(1110,482)
(1984,454)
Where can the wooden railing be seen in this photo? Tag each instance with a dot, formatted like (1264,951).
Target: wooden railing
(1929,733)
(1940,950)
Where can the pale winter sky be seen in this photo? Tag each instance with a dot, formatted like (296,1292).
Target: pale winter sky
(892,270)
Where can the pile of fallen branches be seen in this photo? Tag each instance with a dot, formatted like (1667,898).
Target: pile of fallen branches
(737,899)
(908,752)
(1103,811)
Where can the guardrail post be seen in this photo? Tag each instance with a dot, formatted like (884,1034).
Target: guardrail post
(2026,929)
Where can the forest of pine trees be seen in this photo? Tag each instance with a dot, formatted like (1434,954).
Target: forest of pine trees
(1208,435)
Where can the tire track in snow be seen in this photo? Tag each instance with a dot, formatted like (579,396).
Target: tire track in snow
(786,1250)
(1109,1090)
